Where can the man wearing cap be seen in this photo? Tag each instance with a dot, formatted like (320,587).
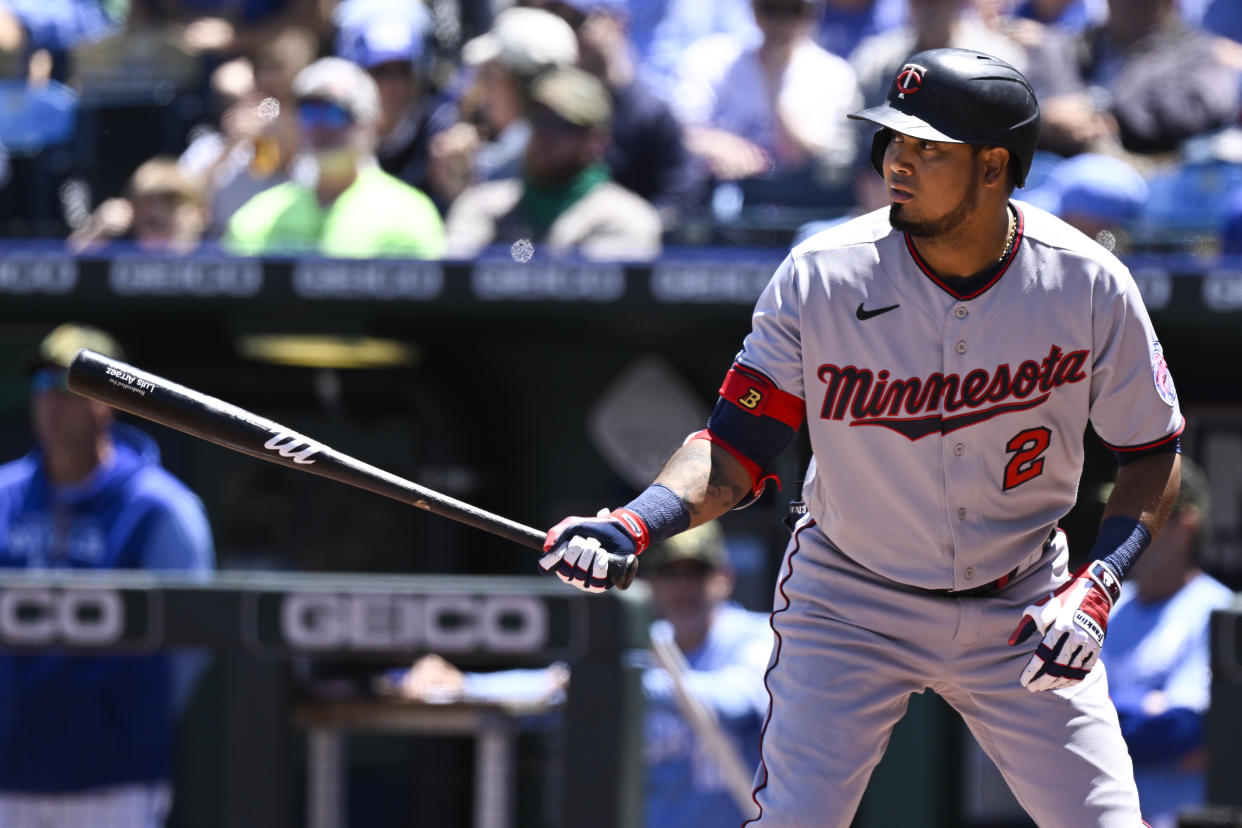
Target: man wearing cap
(393,50)
(88,740)
(1157,653)
(647,154)
(353,209)
(726,649)
(565,201)
(490,133)
(1101,195)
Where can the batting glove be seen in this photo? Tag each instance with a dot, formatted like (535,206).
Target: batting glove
(578,549)
(1073,620)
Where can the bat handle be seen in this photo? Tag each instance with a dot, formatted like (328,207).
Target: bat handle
(621,570)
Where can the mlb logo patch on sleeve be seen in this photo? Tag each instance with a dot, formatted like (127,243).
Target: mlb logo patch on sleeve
(1160,373)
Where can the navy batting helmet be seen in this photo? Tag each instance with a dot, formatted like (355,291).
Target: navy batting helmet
(963,97)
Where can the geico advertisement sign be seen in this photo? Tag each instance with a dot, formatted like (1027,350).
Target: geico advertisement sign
(381,622)
(75,617)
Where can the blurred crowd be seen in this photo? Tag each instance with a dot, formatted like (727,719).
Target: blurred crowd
(603,128)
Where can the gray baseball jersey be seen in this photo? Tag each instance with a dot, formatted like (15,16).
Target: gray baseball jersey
(947,430)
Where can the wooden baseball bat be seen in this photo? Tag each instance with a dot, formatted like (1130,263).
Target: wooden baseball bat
(154,398)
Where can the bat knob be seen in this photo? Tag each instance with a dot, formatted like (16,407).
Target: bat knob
(621,570)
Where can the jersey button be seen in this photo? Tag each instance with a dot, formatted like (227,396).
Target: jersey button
(961,347)
(959,449)
(961,312)
(969,573)
(961,513)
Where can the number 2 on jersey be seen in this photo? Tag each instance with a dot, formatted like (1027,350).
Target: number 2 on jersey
(1027,463)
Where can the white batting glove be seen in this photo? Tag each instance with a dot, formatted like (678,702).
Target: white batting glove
(591,553)
(1073,621)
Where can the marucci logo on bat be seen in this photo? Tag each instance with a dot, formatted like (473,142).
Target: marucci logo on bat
(297,448)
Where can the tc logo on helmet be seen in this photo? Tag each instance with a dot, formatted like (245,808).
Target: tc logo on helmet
(909,79)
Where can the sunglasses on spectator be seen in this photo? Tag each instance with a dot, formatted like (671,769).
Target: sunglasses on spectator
(568,13)
(545,120)
(49,379)
(328,114)
(777,9)
(392,69)
(685,570)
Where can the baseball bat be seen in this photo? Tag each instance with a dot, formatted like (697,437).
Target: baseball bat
(154,398)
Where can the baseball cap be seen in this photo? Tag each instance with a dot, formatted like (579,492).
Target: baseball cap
(60,346)
(381,40)
(1099,186)
(343,82)
(1194,492)
(574,96)
(525,40)
(591,6)
(703,543)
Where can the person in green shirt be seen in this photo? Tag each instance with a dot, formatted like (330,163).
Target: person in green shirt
(565,202)
(352,209)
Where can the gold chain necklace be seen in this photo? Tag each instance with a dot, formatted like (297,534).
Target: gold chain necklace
(1013,230)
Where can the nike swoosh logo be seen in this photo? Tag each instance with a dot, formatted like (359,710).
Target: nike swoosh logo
(863,313)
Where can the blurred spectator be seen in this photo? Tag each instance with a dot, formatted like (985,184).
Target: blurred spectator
(1159,668)
(256,146)
(1070,15)
(846,23)
(1231,225)
(149,53)
(55,27)
(351,18)
(88,740)
(490,134)
(353,208)
(231,27)
(565,199)
(727,650)
(162,211)
(682,23)
(37,133)
(646,154)
(141,90)
(778,107)
(934,24)
(1224,17)
(1143,80)
(393,50)
(1098,194)
(1187,203)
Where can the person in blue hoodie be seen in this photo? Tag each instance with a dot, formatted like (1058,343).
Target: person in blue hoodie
(87,740)
(1159,658)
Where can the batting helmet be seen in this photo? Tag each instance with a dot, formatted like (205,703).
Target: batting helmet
(963,97)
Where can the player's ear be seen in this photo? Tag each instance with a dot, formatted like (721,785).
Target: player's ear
(995,162)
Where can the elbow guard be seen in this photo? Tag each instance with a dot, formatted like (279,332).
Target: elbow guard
(753,421)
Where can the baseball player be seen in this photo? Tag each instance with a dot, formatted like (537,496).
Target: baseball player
(947,354)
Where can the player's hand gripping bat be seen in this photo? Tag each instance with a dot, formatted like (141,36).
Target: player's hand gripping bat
(155,398)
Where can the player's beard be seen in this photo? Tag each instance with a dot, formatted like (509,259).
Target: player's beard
(946,224)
